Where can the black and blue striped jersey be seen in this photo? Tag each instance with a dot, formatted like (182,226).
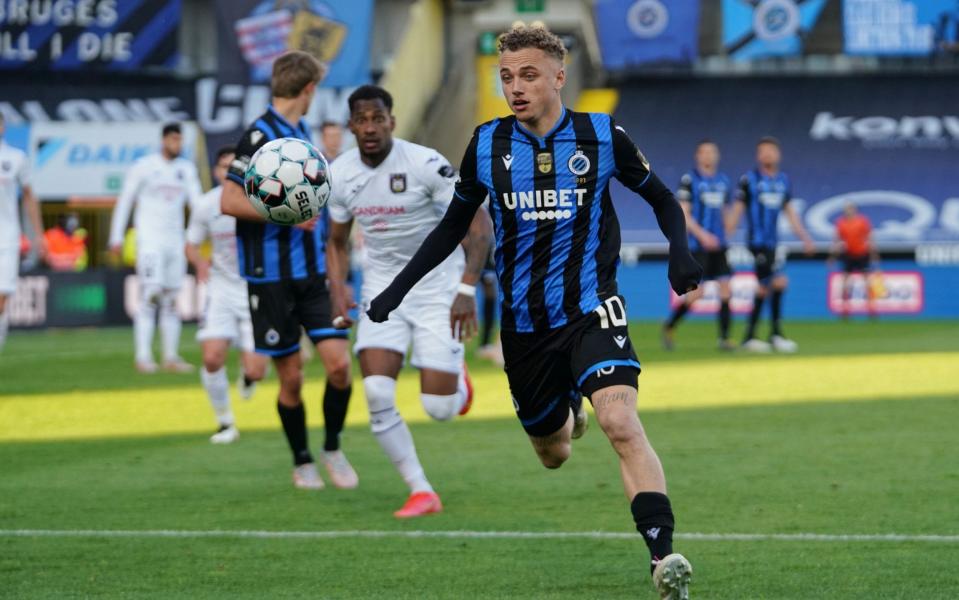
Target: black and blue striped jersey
(707,197)
(557,234)
(267,252)
(764,196)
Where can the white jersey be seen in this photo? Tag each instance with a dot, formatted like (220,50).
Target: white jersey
(396,205)
(160,188)
(14,174)
(207,222)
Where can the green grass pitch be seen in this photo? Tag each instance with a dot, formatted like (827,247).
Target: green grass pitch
(854,436)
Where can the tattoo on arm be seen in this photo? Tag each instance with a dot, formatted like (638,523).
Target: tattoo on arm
(476,244)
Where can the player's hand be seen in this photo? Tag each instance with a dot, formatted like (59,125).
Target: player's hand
(709,241)
(381,307)
(308,225)
(684,272)
(463,320)
(341,300)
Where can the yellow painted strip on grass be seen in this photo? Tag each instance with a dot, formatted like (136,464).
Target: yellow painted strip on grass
(601,100)
(736,381)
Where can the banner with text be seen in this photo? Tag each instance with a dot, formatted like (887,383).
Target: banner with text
(754,29)
(635,32)
(252,33)
(899,27)
(95,34)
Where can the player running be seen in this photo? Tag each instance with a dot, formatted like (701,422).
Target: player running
(397,192)
(226,313)
(285,270)
(160,185)
(763,193)
(14,174)
(704,195)
(546,171)
(854,243)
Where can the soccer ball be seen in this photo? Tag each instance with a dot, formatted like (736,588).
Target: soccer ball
(288,181)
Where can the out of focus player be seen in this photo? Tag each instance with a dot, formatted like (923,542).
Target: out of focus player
(763,193)
(704,195)
(331,139)
(546,172)
(226,313)
(14,176)
(285,270)
(397,192)
(854,243)
(161,185)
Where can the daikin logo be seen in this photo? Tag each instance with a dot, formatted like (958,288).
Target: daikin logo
(882,131)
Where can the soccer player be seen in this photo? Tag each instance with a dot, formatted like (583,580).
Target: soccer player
(14,175)
(331,138)
(704,195)
(763,193)
(161,185)
(397,191)
(226,313)
(854,242)
(546,171)
(285,270)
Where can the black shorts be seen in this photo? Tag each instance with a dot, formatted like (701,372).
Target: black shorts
(714,263)
(547,370)
(855,264)
(279,309)
(766,265)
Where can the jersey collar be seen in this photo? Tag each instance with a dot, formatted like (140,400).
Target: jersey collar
(276,114)
(564,119)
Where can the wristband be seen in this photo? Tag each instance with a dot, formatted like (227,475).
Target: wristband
(467,290)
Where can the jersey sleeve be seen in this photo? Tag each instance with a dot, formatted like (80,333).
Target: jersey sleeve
(632,168)
(124,206)
(684,193)
(251,141)
(338,206)
(742,190)
(468,187)
(198,229)
(788,195)
(440,178)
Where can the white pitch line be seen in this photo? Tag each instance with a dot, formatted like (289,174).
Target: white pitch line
(511,535)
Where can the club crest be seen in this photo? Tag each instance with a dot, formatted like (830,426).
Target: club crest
(544,162)
(578,163)
(398,182)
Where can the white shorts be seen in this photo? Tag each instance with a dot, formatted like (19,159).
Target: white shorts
(164,268)
(424,322)
(9,268)
(226,316)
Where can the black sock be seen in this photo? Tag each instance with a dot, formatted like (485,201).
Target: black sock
(294,426)
(724,318)
(654,520)
(335,403)
(247,381)
(489,308)
(754,317)
(775,307)
(677,315)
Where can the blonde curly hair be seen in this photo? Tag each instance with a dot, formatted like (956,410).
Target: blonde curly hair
(530,36)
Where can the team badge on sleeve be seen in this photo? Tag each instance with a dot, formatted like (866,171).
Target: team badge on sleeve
(398,182)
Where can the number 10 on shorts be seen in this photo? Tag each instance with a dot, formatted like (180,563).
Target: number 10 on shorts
(612,313)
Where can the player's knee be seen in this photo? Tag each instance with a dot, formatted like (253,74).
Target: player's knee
(381,402)
(254,370)
(780,282)
(213,361)
(338,371)
(291,384)
(622,431)
(555,455)
(441,408)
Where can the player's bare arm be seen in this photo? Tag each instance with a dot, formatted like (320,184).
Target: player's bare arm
(705,238)
(233,202)
(733,217)
(337,266)
(200,264)
(476,246)
(796,223)
(32,208)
